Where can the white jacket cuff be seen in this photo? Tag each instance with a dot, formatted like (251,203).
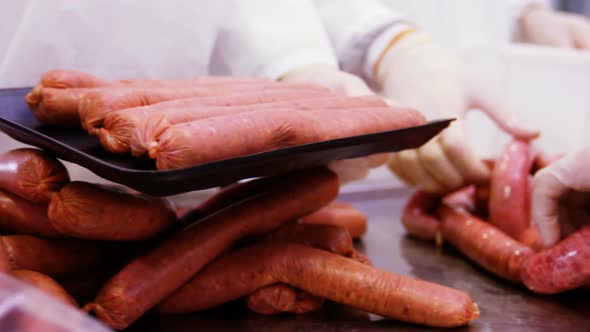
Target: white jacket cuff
(297,60)
(378,46)
(352,26)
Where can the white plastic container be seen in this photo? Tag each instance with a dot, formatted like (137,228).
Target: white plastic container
(546,87)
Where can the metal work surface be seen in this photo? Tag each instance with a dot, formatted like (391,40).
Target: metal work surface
(503,306)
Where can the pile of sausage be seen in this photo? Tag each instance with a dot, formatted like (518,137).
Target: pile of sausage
(492,226)
(182,123)
(281,244)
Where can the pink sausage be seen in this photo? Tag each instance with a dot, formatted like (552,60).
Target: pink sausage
(31,174)
(418,215)
(510,192)
(19,216)
(560,268)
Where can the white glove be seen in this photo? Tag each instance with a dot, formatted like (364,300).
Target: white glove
(348,84)
(561,196)
(417,73)
(540,25)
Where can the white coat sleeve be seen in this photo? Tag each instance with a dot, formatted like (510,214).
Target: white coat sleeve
(360,30)
(270,38)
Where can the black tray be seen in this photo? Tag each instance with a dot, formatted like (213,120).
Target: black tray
(75,146)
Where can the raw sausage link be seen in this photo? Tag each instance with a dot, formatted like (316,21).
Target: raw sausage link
(97,212)
(331,238)
(54,257)
(152,125)
(56,107)
(20,216)
(95,105)
(483,243)
(278,298)
(45,284)
(563,267)
(229,195)
(31,174)
(284,298)
(119,126)
(510,192)
(339,214)
(66,78)
(154,275)
(197,142)
(323,274)
(55,100)
(418,216)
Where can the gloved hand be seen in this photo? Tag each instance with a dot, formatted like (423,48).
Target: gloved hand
(348,84)
(541,25)
(419,74)
(561,196)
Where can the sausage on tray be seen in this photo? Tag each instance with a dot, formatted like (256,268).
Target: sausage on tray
(197,142)
(151,126)
(31,174)
(326,275)
(67,78)
(96,104)
(154,275)
(97,212)
(119,127)
(56,107)
(56,99)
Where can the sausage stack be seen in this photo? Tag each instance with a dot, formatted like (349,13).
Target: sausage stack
(281,244)
(182,123)
(507,244)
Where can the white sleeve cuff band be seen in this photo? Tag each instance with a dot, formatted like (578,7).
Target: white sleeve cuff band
(296,60)
(379,45)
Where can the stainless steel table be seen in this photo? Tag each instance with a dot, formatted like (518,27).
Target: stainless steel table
(504,307)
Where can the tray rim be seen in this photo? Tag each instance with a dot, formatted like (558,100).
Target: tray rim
(143,180)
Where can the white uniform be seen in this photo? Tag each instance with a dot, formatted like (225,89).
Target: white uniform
(164,39)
